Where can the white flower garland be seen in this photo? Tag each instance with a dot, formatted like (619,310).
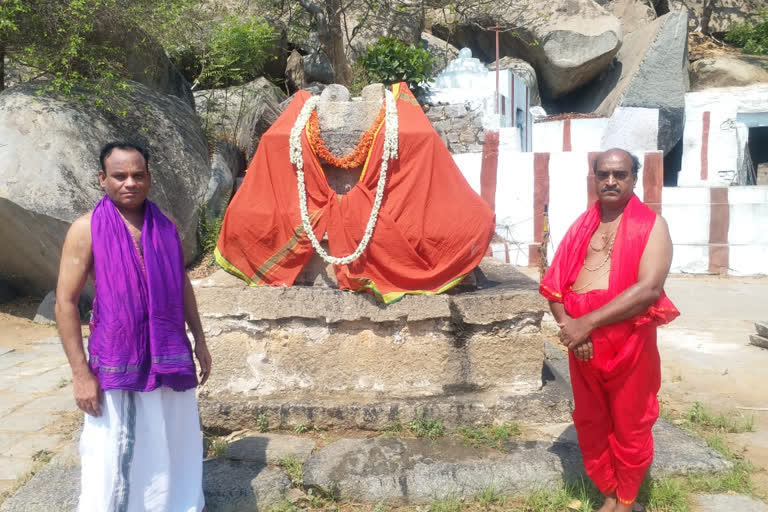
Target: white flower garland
(390,152)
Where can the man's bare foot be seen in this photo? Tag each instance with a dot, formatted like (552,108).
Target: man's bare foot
(609,505)
(620,507)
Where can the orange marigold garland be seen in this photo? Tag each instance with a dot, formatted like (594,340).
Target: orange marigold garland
(354,159)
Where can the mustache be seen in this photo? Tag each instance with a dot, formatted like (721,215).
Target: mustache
(610,189)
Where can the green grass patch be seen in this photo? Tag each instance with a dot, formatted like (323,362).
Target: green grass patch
(579,496)
(427,427)
(303,428)
(393,428)
(489,436)
(665,495)
(489,497)
(446,505)
(218,447)
(294,468)
(284,506)
(208,229)
(733,423)
(261,423)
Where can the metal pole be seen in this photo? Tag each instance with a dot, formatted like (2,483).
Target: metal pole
(497,68)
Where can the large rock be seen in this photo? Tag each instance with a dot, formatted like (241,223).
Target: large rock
(651,72)
(301,70)
(49,172)
(569,41)
(442,52)
(241,113)
(227,163)
(46,314)
(522,70)
(238,486)
(633,14)
(724,12)
(269,448)
(728,71)
(145,60)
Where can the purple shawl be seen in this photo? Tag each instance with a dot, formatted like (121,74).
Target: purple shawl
(138,340)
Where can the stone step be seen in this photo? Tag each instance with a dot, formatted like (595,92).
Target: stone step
(409,472)
(551,404)
(762,329)
(390,470)
(758,341)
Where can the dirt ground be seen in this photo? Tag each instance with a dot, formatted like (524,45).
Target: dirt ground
(16,326)
(706,356)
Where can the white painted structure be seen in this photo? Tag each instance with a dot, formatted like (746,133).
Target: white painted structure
(628,127)
(717,123)
(467,80)
(688,211)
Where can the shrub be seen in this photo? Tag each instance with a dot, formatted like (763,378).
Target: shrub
(751,38)
(237,51)
(390,60)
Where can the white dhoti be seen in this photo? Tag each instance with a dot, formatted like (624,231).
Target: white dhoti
(145,453)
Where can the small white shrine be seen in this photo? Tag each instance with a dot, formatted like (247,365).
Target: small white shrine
(467,80)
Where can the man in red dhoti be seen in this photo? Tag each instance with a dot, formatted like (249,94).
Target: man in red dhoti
(605,289)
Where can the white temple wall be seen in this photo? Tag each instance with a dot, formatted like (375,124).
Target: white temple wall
(714,139)
(714,230)
(628,128)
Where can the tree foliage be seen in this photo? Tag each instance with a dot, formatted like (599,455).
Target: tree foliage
(233,50)
(78,46)
(752,38)
(390,60)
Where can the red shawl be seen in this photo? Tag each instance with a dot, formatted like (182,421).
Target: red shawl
(432,228)
(621,342)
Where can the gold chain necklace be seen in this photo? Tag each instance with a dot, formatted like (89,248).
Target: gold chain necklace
(592,281)
(607,257)
(606,237)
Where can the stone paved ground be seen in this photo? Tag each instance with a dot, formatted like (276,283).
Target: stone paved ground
(705,355)
(37,412)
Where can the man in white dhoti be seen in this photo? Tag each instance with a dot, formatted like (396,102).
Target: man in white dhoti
(141,447)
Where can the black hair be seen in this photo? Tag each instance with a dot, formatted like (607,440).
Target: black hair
(106,150)
(633,158)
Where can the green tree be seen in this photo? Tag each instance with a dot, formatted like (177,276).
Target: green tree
(752,38)
(390,60)
(76,44)
(232,51)
(70,42)
(10,12)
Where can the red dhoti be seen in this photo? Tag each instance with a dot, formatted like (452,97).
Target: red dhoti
(615,391)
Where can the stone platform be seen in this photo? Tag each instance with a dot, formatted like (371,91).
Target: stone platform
(340,359)
(383,470)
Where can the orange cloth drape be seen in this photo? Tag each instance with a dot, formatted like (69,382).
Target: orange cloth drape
(615,392)
(432,228)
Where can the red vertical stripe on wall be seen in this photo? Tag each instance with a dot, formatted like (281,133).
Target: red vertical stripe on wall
(653,179)
(591,192)
(719,221)
(540,200)
(489,168)
(705,147)
(567,135)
